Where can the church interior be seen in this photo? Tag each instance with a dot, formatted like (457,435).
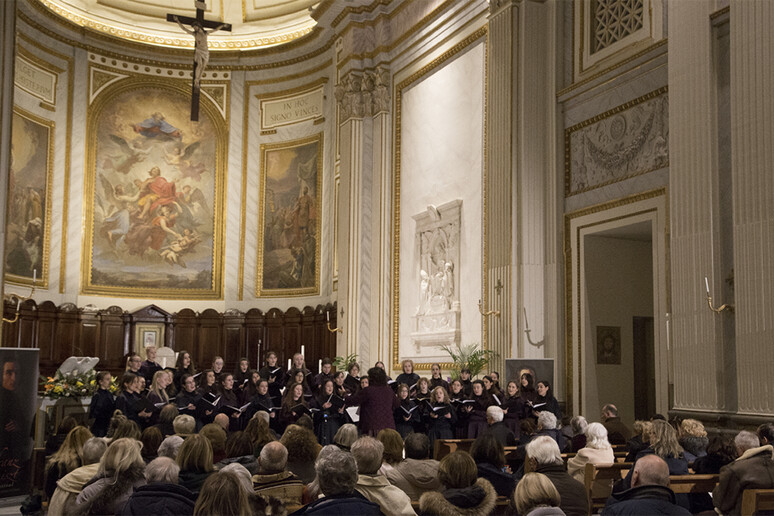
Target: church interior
(579,186)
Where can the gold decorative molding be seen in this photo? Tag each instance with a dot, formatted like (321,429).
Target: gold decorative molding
(602,116)
(569,267)
(42,282)
(99,79)
(425,70)
(219,188)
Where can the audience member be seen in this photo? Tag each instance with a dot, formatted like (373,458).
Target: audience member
(167,418)
(393,449)
(67,458)
(693,438)
(546,425)
(463,492)
(69,486)
(578,425)
(417,473)
(368,453)
(545,457)
(346,436)
(649,494)
(663,442)
(766,433)
(720,451)
(170,446)
(54,442)
(127,429)
(754,469)
(223,421)
(640,440)
(217,437)
(617,431)
(195,461)
(259,432)
(302,451)
(162,494)
(536,496)
(596,451)
(273,478)
(337,477)
(498,428)
(239,450)
(223,494)
(151,440)
(184,425)
(489,456)
(121,470)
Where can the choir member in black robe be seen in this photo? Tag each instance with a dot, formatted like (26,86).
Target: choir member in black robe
(102,405)
(275,374)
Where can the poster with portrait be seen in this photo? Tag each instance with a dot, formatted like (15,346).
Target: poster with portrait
(28,215)
(154,197)
(289,228)
(18,400)
(609,345)
(541,369)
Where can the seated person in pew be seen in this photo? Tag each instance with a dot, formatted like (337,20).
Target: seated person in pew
(649,494)
(754,469)
(544,456)
(597,451)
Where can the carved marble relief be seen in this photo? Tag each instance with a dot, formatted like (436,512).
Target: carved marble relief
(629,140)
(362,94)
(437,252)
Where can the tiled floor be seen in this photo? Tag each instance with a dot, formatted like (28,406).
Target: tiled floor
(10,506)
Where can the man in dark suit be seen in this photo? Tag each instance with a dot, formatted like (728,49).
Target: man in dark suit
(617,431)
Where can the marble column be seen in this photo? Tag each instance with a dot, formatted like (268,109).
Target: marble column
(701,382)
(752,131)
(7,53)
(521,187)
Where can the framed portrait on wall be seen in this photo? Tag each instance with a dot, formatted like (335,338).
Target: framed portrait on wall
(290,219)
(609,345)
(146,335)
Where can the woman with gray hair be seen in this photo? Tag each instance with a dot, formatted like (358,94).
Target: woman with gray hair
(368,453)
(162,494)
(121,469)
(578,425)
(597,451)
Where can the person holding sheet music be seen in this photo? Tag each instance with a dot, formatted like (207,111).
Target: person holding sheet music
(421,395)
(102,405)
(217,366)
(513,407)
(377,404)
(546,401)
(250,388)
(323,375)
(441,416)
(129,400)
(457,397)
(491,388)
(477,424)
(527,389)
(407,414)
(298,376)
(149,366)
(467,384)
(184,365)
(242,373)
(352,381)
(339,385)
(435,378)
(229,398)
(293,405)
(208,383)
(298,364)
(408,376)
(188,397)
(158,394)
(331,415)
(275,375)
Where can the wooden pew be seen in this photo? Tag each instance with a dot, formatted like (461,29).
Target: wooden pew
(757,500)
(599,480)
(692,483)
(444,447)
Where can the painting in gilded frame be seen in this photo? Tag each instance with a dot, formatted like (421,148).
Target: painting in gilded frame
(154,194)
(289,226)
(28,215)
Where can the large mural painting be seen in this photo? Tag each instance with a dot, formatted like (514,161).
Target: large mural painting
(29,199)
(291,195)
(155,183)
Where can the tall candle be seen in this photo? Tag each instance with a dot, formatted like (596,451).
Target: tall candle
(302,351)
(706,284)
(290,363)
(319,366)
(34,275)
(328,316)
(667,331)
(257,356)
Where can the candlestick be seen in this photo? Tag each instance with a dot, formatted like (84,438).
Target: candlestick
(18,304)
(706,284)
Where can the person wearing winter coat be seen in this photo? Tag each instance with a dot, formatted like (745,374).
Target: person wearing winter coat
(71,485)
(536,496)
(162,494)
(754,469)
(417,473)
(649,494)
(368,453)
(463,494)
(597,451)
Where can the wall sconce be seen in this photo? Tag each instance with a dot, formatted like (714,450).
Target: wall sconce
(719,309)
(19,298)
(328,322)
(527,331)
(496,313)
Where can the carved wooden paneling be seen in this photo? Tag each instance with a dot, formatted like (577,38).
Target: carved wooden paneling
(66,330)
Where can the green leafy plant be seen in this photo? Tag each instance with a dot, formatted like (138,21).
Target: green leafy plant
(470,356)
(343,363)
(73,385)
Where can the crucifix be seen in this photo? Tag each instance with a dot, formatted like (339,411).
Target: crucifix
(199,31)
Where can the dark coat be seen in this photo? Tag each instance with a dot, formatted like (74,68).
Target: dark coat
(647,499)
(160,500)
(753,470)
(193,480)
(573,493)
(503,483)
(407,378)
(476,500)
(503,434)
(353,504)
(617,431)
(377,404)
(101,410)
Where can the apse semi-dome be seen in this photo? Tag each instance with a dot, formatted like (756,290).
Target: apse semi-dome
(255,23)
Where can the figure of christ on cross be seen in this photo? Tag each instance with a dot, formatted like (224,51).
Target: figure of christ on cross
(199,31)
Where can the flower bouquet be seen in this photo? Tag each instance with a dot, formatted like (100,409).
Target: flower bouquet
(74,384)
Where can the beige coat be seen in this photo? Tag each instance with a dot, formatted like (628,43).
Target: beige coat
(391,500)
(68,487)
(415,477)
(576,466)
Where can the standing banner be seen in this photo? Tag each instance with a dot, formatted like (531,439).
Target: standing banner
(18,399)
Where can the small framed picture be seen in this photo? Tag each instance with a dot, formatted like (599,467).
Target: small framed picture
(147,335)
(148,339)
(609,345)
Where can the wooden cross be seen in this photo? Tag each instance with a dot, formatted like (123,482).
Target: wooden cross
(199,31)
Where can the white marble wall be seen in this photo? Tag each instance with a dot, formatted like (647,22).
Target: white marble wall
(752,131)
(441,160)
